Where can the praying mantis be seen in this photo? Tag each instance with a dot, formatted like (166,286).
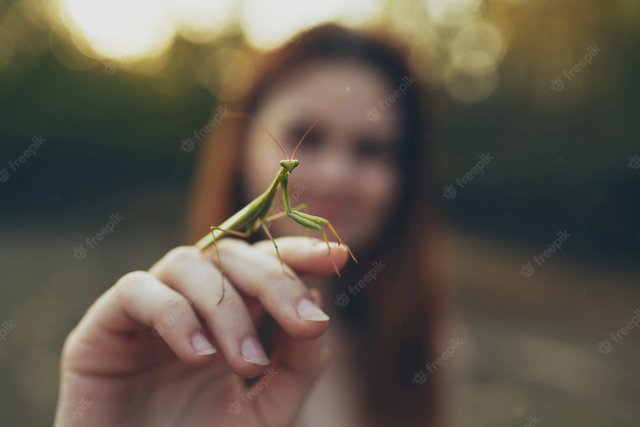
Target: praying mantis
(254,215)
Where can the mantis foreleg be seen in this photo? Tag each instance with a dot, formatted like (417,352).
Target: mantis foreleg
(270,218)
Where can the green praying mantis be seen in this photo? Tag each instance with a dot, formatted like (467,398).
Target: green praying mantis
(254,215)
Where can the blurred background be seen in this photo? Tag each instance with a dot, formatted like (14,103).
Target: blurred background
(101,104)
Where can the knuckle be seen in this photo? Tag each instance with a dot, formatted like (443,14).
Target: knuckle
(123,287)
(232,303)
(268,246)
(265,244)
(182,254)
(272,280)
(270,292)
(272,270)
(132,278)
(269,280)
(69,347)
(281,273)
(174,304)
(172,309)
(288,271)
(232,244)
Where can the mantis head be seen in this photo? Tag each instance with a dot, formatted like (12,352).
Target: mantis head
(289,164)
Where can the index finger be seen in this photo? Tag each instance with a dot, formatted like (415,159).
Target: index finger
(307,255)
(256,272)
(304,255)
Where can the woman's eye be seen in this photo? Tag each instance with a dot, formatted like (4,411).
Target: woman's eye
(373,151)
(295,133)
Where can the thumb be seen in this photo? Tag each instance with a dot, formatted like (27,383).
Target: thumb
(296,366)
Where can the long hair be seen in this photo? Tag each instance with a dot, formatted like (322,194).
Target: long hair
(396,322)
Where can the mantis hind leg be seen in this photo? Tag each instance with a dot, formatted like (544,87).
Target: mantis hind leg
(321,222)
(215,246)
(340,241)
(275,245)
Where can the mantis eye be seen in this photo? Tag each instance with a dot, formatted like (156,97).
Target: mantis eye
(289,164)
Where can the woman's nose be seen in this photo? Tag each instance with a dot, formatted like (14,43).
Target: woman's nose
(331,167)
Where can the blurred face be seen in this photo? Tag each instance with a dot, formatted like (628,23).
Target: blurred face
(348,171)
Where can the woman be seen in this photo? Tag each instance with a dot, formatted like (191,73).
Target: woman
(268,355)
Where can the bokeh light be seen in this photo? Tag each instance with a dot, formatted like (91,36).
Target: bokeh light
(200,21)
(477,48)
(452,42)
(452,12)
(120,29)
(268,24)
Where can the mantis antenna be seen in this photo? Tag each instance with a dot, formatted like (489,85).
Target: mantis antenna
(322,114)
(238,114)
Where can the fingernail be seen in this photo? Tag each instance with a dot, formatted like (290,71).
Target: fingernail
(307,310)
(251,351)
(322,244)
(201,344)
